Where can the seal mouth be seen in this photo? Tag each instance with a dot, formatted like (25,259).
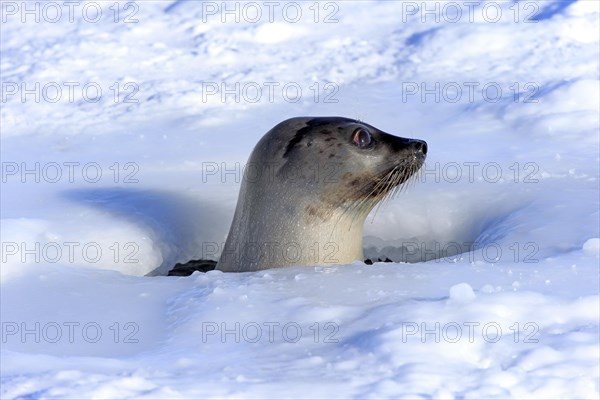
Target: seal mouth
(401,174)
(397,178)
(391,182)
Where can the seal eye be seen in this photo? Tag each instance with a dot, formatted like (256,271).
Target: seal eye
(362,138)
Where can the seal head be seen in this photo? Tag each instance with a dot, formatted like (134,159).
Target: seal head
(307,189)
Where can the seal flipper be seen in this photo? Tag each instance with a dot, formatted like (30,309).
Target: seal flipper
(192,266)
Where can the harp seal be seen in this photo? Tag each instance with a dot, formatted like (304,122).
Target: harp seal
(307,189)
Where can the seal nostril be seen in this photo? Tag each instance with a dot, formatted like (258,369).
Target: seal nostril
(419,146)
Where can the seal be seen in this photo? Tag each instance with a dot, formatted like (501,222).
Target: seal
(307,189)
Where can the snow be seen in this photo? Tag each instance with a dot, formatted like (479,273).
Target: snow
(102,196)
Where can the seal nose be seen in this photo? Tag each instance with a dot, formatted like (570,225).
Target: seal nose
(400,144)
(420,147)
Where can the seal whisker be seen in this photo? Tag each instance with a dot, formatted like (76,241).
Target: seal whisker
(363,204)
(397,181)
(392,180)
